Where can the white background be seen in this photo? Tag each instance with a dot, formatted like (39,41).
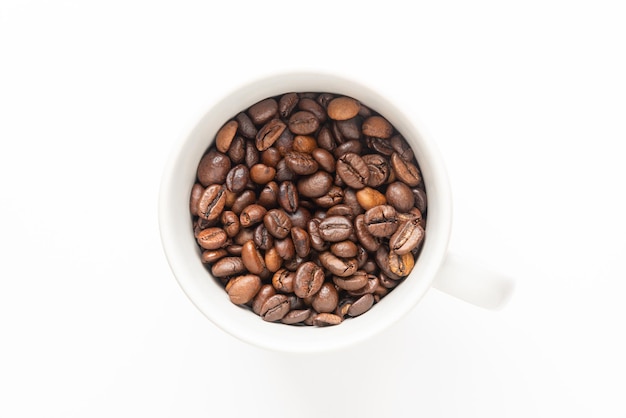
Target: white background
(526,101)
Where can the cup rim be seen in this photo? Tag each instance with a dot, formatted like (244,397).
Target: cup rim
(181,251)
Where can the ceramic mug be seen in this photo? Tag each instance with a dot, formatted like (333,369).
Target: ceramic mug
(434,266)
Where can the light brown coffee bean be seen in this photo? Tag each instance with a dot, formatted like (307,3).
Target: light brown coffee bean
(269,134)
(343,108)
(242,289)
(252,215)
(304,143)
(228,266)
(252,258)
(377,126)
(326,319)
(273,261)
(408,236)
(283,281)
(262,174)
(212,238)
(368,198)
(225,136)
(211,256)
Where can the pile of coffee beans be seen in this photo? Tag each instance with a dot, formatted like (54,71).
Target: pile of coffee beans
(309,208)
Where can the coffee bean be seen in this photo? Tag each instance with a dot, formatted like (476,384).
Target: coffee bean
(245,234)
(262,239)
(242,289)
(381,221)
(287,104)
(379,169)
(273,260)
(345,249)
(350,129)
(338,266)
(230,223)
(212,238)
(401,147)
(406,172)
(234,250)
(326,299)
(353,171)
(196,192)
(377,126)
(303,123)
(211,203)
(225,136)
(228,266)
(315,185)
(296,316)
(387,282)
(266,292)
(368,198)
(283,281)
(301,163)
(252,155)
(333,197)
(350,199)
(324,159)
(419,197)
(237,150)
(361,305)
(252,215)
(408,236)
(268,197)
(400,196)
(313,107)
(263,111)
(285,248)
(401,265)
(237,178)
(252,258)
(309,279)
(343,108)
(301,241)
(284,143)
(277,223)
(211,256)
(317,242)
(340,210)
(300,218)
(325,139)
(326,320)
(370,287)
(283,172)
(352,146)
(242,201)
(288,196)
(324,98)
(269,133)
(246,126)
(213,168)
(353,282)
(275,308)
(271,156)
(262,174)
(335,228)
(380,145)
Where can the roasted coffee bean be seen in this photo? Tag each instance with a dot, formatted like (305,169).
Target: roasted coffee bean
(326,319)
(242,201)
(252,215)
(275,308)
(380,145)
(252,155)
(379,169)
(266,292)
(237,178)
(262,174)
(296,316)
(343,108)
(237,150)
(304,143)
(211,238)
(196,193)
(349,198)
(301,241)
(339,138)
(301,163)
(288,196)
(381,221)
(313,107)
(342,267)
(315,185)
(213,168)
(326,299)
(228,266)
(400,196)
(340,210)
(225,136)
(303,123)
(245,234)
(401,265)
(368,198)
(269,134)
(300,218)
(287,104)
(284,143)
(406,172)
(325,139)
(377,126)
(335,228)
(211,203)
(283,172)
(324,159)
(382,260)
(387,282)
(270,157)
(356,281)
(419,197)
(230,223)
(273,260)
(211,256)
(353,171)
(333,197)
(234,249)
(285,248)
(268,197)
(401,147)
(351,146)
(350,129)
(309,279)
(283,281)
(361,305)
(408,236)
(242,289)
(345,249)
(317,243)
(252,258)
(263,239)
(263,111)
(370,287)
(277,223)
(324,98)
(246,126)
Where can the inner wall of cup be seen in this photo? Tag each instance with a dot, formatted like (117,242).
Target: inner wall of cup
(209,296)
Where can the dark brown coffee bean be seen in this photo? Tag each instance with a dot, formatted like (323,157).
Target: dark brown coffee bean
(405,172)
(335,228)
(343,108)
(283,172)
(377,126)
(339,138)
(333,197)
(228,266)
(315,185)
(283,281)
(213,168)
(301,241)
(338,266)
(379,169)
(211,203)
(324,98)
(408,236)
(313,107)
(242,201)
(309,279)
(234,249)
(387,282)
(400,196)
(382,259)
(237,178)
(245,234)
(326,140)
(285,248)
(301,163)
(340,210)
(324,159)
(277,223)
(288,196)
(263,239)
(273,260)
(252,154)
(268,197)
(230,223)
(317,242)
(293,263)
(287,104)
(296,316)
(370,266)
(326,299)
(380,145)
(263,111)
(326,320)
(381,221)
(361,305)
(345,249)
(303,123)
(242,289)
(196,193)
(401,147)
(300,218)
(246,126)
(211,238)
(350,199)
(353,171)
(270,157)
(368,198)
(252,258)
(350,129)
(275,308)
(252,215)
(269,134)
(352,146)
(371,287)
(284,143)
(237,150)
(225,136)
(211,256)
(266,292)
(353,282)
(419,197)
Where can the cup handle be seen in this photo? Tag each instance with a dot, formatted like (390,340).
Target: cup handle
(473,283)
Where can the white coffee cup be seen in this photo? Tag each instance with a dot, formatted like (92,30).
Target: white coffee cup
(434,266)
